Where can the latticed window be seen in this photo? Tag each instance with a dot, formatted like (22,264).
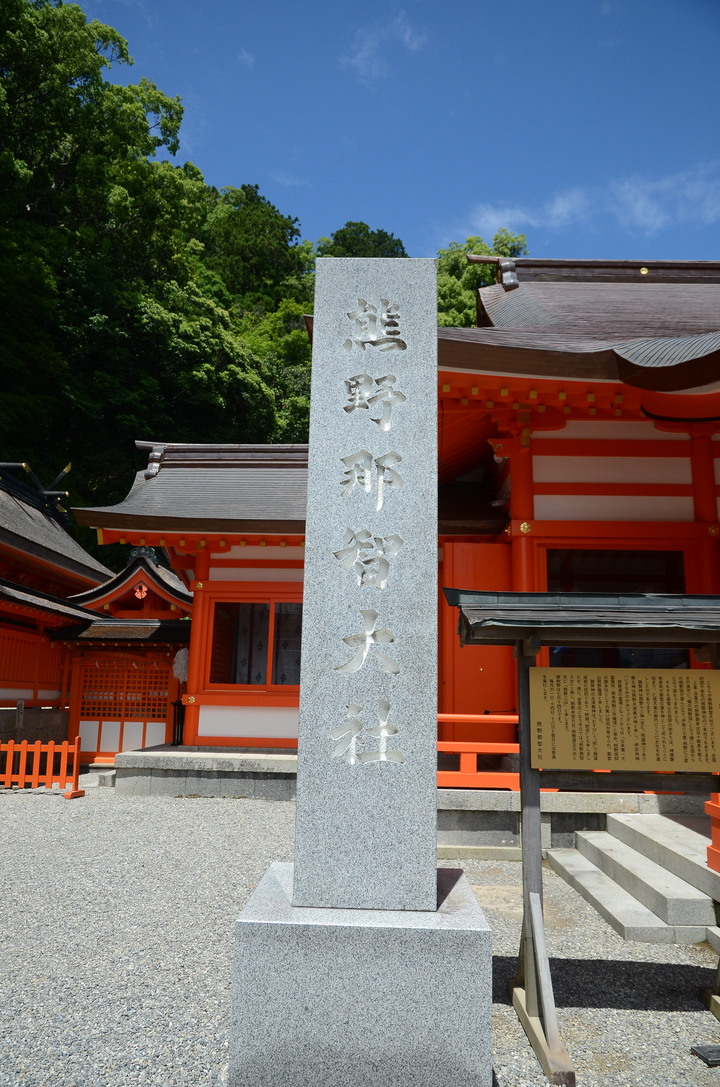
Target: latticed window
(119,690)
(256,643)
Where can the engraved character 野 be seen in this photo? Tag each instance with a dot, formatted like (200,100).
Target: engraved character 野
(363,393)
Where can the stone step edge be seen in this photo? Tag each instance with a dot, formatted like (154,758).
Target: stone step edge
(638,835)
(664,893)
(628,917)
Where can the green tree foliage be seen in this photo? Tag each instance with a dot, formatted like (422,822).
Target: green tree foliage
(136,301)
(458,280)
(358,240)
(123,279)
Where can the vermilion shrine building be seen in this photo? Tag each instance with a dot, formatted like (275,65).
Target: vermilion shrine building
(579,429)
(82,651)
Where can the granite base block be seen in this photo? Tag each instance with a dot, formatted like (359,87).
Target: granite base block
(361,998)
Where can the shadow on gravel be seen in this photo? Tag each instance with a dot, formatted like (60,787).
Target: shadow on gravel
(608,983)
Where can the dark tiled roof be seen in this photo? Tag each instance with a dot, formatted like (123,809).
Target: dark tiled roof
(44,602)
(127,630)
(217,487)
(35,532)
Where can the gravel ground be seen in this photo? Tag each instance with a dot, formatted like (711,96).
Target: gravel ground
(116,918)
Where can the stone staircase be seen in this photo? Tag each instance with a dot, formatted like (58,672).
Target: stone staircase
(647,875)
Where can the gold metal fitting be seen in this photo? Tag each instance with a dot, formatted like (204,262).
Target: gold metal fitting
(525,527)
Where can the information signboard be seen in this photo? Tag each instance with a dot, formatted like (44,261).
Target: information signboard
(626,719)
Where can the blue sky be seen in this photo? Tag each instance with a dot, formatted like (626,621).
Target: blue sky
(589,125)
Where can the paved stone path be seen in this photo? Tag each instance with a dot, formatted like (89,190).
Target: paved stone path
(116,943)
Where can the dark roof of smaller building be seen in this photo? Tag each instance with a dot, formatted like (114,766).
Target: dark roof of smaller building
(164,579)
(176,631)
(44,603)
(213,488)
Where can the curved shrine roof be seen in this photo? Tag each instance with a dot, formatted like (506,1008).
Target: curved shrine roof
(663,337)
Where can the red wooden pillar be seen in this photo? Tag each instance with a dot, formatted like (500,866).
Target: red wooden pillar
(522,508)
(199,634)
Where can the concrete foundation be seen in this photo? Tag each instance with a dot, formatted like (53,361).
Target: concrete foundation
(471,822)
(361,998)
(34,724)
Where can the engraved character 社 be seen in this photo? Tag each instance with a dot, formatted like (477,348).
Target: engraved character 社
(352,734)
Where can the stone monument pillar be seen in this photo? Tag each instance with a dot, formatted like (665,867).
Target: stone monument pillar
(367,967)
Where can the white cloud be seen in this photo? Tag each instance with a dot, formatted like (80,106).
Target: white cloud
(289,179)
(370,56)
(410,38)
(247,59)
(635,203)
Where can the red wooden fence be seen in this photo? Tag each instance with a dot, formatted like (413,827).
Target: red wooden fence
(29,765)
(470,775)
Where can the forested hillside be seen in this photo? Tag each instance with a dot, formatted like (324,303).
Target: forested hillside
(138,301)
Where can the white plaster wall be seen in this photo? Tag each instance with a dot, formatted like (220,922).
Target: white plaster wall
(89,735)
(562,507)
(611,469)
(272,721)
(253,573)
(132,735)
(154,733)
(109,736)
(237,552)
(607,429)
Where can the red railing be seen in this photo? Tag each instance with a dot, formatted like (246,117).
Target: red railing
(29,765)
(473,770)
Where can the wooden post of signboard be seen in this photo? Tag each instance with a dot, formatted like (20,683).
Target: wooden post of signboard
(531,989)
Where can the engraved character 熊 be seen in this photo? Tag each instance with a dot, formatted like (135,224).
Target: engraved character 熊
(376,327)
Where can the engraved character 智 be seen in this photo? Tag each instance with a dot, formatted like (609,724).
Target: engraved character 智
(369,556)
(371,638)
(376,328)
